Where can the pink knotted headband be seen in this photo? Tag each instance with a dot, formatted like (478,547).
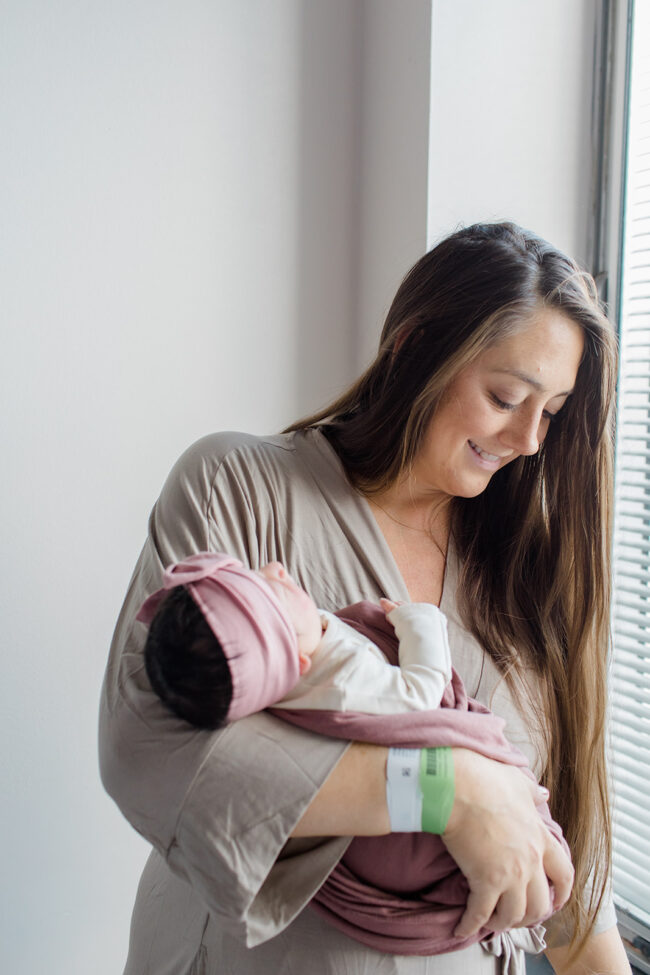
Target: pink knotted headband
(252,627)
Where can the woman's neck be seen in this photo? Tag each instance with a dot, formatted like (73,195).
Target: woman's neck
(417,533)
(416,510)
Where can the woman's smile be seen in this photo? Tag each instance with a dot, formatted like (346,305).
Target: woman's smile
(490,461)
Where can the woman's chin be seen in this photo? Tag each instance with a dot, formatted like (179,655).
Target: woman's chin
(472,486)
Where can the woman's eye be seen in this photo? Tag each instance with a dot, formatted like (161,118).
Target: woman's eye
(502,405)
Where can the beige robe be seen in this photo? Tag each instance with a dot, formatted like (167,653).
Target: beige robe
(225,889)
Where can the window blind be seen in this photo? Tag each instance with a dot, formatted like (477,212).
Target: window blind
(630,678)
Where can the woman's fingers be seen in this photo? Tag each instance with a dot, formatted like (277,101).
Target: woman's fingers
(559,870)
(511,910)
(502,846)
(480,908)
(540,900)
(520,908)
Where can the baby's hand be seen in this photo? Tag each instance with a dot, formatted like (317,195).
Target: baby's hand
(388,605)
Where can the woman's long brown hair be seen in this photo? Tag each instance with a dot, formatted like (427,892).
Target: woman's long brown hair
(535,545)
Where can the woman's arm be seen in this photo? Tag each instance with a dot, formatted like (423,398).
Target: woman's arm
(494,833)
(604,954)
(352,801)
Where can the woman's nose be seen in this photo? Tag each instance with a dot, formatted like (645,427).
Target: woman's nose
(527,432)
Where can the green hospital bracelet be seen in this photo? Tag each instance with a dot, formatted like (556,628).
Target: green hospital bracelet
(436,781)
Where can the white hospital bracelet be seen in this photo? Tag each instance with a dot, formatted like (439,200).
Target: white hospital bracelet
(403,792)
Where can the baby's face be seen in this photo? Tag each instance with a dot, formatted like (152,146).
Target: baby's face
(299,607)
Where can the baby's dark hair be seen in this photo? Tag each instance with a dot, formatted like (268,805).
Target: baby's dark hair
(186,664)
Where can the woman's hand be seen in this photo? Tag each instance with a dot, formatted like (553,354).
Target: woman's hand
(494,833)
(498,840)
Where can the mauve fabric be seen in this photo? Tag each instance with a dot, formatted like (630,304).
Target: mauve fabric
(404,893)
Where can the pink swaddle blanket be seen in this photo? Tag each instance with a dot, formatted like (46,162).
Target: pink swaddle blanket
(403,893)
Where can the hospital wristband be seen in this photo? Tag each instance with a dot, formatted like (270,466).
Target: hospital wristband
(438,788)
(419,789)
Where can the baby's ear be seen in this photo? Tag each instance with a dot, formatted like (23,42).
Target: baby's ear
(305,663)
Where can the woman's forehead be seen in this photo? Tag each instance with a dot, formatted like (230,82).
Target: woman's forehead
(545,353)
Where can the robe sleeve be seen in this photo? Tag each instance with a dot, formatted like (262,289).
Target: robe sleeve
(218,806)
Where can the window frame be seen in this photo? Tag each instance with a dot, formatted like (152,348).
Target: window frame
(610,118)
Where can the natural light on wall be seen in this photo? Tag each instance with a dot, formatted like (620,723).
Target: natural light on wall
(631,666)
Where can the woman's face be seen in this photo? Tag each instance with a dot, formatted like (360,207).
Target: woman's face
(500,406)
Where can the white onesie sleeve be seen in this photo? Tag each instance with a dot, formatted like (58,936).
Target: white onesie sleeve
(350,673)
(424,654)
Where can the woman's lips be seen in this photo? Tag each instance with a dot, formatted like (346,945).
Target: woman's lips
(483,453)
(490,460)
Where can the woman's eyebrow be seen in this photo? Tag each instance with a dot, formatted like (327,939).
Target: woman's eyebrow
(525,378)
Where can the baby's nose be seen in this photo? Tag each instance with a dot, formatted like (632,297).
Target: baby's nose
(276,570)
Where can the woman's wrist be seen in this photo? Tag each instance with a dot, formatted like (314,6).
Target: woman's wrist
(470,780)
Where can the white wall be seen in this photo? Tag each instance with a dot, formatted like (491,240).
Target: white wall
(204,211)
(181,234)
(510,135)
(153,289)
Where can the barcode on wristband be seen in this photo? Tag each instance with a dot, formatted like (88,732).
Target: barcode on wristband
(432,765)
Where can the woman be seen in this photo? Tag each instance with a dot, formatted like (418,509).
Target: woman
(470,467)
